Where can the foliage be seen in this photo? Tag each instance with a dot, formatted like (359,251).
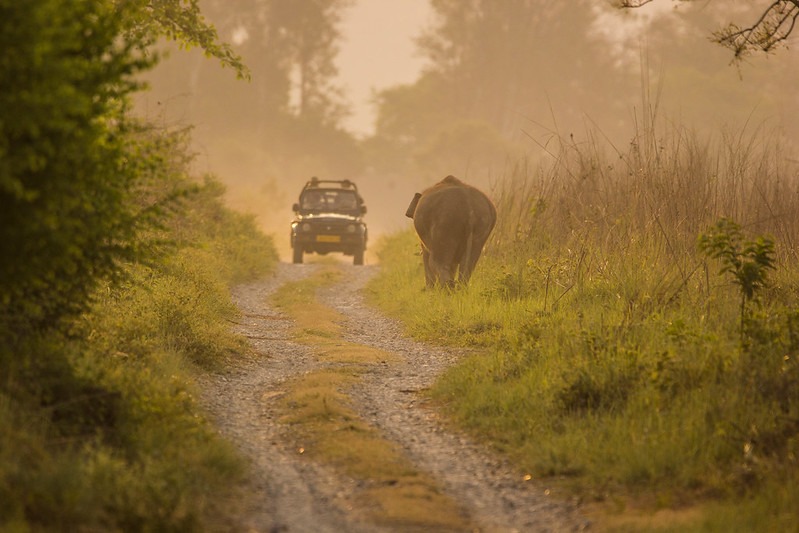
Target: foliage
(597,352)
(748,265)
(747,261)
(102,421)
(76,180)
(286,123)
(492,64)
(446,149)
(65,182)
(769,30)
(108,300)
(540,70)
(180,21)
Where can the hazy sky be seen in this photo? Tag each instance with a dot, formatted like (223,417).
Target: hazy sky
(378,51)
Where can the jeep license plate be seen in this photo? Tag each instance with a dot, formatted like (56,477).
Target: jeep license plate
(328,238)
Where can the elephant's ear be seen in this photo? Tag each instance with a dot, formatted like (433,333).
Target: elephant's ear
(412,207)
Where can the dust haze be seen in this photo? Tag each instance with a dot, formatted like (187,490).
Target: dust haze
(397,95)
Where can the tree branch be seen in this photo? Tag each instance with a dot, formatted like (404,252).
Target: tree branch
(632,4)
(773,27)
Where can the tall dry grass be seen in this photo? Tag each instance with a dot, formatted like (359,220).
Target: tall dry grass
(610,350)
(670,184)
(587,206)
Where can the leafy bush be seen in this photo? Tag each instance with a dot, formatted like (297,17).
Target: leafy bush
(114,268)
(65,185)
(102,422)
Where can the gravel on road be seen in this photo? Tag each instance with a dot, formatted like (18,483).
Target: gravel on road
(286,492)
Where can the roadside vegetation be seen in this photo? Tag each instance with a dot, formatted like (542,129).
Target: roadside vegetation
(634,326)
(114,266)
(100,428)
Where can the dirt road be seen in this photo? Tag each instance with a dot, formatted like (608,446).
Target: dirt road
(290,492)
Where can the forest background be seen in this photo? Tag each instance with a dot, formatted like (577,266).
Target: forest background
(499,82)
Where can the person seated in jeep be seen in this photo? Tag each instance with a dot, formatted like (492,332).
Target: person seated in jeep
(346,202)
(313,201)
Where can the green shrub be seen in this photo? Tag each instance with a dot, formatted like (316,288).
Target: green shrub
(65,183)
(100,427)
(114,269)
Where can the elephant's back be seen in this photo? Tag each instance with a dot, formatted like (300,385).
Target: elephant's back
(442,205)
(454,205)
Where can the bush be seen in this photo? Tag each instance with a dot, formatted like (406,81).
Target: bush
(65,183)
(112,290)
(99,423)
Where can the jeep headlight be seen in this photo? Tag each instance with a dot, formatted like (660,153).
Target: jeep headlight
(306,227)
(351,228)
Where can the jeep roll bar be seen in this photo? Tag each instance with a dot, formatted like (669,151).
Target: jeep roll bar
(342,184)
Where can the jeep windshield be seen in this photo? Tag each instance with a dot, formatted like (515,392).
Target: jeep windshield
(329,201)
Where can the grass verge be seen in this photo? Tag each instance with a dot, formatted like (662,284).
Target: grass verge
(614,355)
(100,427)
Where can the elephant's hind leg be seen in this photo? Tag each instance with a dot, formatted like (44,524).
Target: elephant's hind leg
(429,273)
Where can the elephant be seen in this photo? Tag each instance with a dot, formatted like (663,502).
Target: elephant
(453,221)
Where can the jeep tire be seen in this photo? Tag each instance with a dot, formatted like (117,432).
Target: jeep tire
(357,258)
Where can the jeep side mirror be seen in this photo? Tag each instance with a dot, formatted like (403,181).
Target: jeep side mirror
(363,209)
(296,207)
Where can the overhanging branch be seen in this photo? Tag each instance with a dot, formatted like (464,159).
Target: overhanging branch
(633,3)
(772,28)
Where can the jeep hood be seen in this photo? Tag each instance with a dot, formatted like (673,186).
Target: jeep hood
(329,216)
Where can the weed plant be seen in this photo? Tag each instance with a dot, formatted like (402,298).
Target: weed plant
(614,352)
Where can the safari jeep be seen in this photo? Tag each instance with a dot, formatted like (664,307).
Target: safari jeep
(328,218)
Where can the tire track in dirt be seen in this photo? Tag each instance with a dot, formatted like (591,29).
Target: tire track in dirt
(283,493)
(289,493)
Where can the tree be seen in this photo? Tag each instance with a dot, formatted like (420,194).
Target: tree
(504,64)
(769,30)
(291,46)
(285,124)
(311,30)
(180,21)
(72,163)
(64,180)
(509,59)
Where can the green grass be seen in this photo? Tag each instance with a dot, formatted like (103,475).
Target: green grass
(100,426)
(608,351)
